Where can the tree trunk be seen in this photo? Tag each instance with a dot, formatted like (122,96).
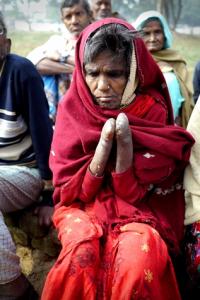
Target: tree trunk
(160,6)
(170,10)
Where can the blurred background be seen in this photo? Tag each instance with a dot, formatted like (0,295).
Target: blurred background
(31,22)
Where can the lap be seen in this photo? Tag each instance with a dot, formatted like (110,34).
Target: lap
(75,226)
(20,186)
(137,245)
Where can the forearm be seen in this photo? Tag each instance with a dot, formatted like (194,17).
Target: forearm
(90,186)
(50,67)
(127,187)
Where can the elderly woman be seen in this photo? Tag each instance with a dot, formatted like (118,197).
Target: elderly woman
(158,39)
(117,167)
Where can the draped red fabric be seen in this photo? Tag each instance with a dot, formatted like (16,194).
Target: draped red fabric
(140,107)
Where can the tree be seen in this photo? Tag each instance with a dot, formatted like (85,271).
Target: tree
(171,10)
(18,10)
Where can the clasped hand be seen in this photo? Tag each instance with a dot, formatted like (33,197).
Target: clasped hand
(113,129)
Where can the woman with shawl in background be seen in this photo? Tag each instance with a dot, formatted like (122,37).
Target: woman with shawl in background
(117,164)
(158,39)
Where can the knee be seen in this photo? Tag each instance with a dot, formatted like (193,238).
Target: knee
(87,255)
(143,251)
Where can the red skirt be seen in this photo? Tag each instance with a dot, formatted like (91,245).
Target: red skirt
(131,262)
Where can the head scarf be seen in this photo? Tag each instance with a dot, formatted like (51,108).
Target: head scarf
(153,85)
(143,18)
(79,123)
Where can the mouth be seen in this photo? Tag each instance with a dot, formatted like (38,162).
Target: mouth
(105,14)
(75,29)
(111,102)
(153,46)
(106,98)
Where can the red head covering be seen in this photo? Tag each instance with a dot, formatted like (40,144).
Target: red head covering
(79,123)
(151,80)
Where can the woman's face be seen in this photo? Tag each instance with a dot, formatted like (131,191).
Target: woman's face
(153,36)
(106,77)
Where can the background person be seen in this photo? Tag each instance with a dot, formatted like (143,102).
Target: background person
(196,82)
(158,39)
(55,59)
(25,137)
(117,169)
(103,9)
(192,200)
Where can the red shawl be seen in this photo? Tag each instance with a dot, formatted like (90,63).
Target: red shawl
(77,131)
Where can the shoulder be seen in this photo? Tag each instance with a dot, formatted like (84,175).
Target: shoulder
(56,41)
(21,65)
(117,15)
(158,112)
(168,55)
(19,62)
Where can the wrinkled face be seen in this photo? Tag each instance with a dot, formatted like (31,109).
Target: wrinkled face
(101,9)
(106,77)
(75,18)
(153,36)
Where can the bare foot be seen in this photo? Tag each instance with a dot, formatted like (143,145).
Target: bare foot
(99,161)
(124,144)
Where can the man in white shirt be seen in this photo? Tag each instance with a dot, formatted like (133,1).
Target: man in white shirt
(55,59)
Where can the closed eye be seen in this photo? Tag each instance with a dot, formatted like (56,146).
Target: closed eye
(92,73)
(115,74)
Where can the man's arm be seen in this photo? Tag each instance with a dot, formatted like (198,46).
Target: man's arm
(49,67)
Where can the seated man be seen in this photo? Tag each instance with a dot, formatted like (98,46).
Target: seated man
(25,138)
(55,59)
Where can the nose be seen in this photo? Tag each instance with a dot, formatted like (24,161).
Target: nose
(103,84)
(152,37)
(103,6)
(74,19)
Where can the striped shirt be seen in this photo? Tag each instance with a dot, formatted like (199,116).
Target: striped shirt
(25,128)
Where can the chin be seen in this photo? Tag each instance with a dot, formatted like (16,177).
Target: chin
(153,49)
(76,33)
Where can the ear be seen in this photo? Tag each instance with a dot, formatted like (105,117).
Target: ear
(8,45)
